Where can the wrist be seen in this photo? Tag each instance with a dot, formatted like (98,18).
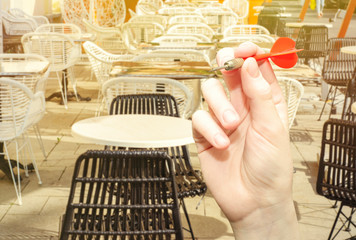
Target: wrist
(270,223)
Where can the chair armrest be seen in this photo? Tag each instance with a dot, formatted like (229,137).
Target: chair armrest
(19,26)
(40,20)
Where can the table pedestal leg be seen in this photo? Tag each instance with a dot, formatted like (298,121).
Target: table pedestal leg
(4,165)
(65,90)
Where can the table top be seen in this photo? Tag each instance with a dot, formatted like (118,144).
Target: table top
(22,68)
(300,24)
(349,49)
(141,131)
(175,70)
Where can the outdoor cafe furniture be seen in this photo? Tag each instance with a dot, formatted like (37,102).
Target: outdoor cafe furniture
(101,63)
(61,52)
(336,174)
(190,72)
(338,68)
(219,18)
(122,195)
(150,18)
(14,28)
(292,91)
(249,29)
(350,96)
(105,13)
(134,131)
(17,26)
(19,13)
(313,39)
(240,7)
(269,15)
(123,86)
(134,34)
(108,38)
(18,108)
(191,28)
(189,181)
(31,70)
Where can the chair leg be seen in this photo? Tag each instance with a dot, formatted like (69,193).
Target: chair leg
(348,222)
(39,139)
(73,81)
(187,217)
(63,93)
(327,98)
(334,225)
(32,156)
(17,184)
(333,102)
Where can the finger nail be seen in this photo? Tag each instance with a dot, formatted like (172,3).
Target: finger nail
(225,54)
(230,116)
(221,140)
(252,68)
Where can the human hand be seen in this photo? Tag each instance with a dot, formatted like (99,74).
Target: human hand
(243,147)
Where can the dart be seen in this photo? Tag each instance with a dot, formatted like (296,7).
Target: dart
(283,54)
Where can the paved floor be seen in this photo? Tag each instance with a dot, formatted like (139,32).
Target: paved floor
(43,205)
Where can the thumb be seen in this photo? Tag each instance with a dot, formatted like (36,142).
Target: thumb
(265,117)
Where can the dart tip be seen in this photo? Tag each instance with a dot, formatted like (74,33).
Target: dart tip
(217,68)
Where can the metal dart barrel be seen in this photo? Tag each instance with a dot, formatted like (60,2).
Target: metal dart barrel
(231,64)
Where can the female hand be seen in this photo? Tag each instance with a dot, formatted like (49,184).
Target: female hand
(243,147)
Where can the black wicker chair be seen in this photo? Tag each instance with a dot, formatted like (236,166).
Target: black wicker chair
(189,181)
(350,98)
(314,41)
(338,67)
(269,15)
(284,31)
(337,168)
(123,195)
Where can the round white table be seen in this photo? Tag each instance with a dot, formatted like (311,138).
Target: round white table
(349,49)
(140,131)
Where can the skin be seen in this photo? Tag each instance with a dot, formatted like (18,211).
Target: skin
(243,147)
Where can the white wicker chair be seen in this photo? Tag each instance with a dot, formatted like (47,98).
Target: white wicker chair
(292,92)
(172,11)
(17,26)
(222,18)
(139,85)
(101,63)
(19,13)
(183,4)
(245,29)
(177,1)
(61,52)
(109,13)
(36,83)
(157,3)
(169,39)
(187,19)
(65,28)
(135,34)
(149,18)
(191,28)
(74,11)
(201,37)
(240,7)
(145,9)
(108,38)
(255,38)
(17,109)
